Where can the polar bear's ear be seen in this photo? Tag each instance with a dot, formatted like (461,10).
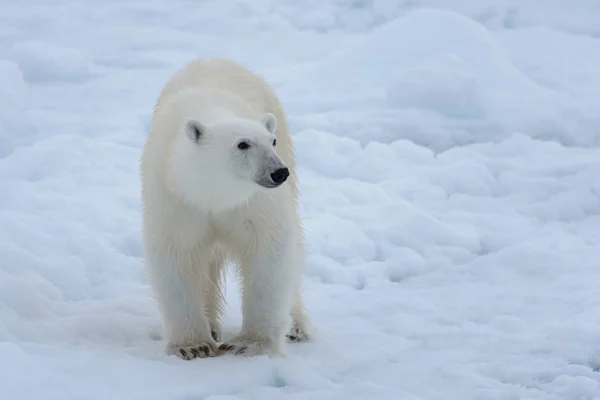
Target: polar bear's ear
(194,130)
(269,121)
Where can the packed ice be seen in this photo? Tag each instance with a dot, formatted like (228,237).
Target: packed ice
(449,162)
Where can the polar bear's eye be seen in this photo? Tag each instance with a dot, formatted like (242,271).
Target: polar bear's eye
(243,145)
(274,142)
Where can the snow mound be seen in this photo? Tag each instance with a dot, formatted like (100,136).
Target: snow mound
(440,62)
(446,85)
(363,15)
(45,62)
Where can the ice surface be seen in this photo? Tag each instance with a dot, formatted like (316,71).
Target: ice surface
(457,70)
(43,62)
(15,129)
(449,155)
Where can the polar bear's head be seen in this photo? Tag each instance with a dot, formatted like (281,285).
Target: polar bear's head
(221,164)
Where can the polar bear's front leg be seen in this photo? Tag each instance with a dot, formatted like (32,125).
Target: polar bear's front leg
(215,298)
(180,292)
(302,329)
(269,274)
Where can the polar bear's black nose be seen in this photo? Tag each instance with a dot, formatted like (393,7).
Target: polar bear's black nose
(280,175)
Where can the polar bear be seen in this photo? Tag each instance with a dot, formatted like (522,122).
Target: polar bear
(219,186)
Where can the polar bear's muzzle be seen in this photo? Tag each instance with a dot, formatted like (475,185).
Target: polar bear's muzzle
(274,174)
(274,179)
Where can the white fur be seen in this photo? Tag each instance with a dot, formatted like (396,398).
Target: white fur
(203,207)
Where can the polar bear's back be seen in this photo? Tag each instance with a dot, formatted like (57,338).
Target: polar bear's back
(224,75)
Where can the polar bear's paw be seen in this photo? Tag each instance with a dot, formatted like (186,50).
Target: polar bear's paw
(297,334)
(301,330)
(247,348)
(199,350)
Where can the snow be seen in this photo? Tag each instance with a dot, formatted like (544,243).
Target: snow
(448,151)
(42,61)
(14,127)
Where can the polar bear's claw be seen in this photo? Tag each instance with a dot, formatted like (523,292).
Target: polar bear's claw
(244,348)
(237,349)
(301,330)
(297,334)
(202,350)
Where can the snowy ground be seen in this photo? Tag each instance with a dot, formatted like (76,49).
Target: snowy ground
(450,167)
